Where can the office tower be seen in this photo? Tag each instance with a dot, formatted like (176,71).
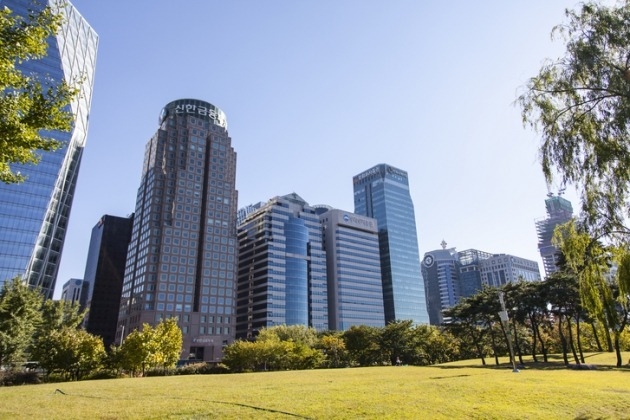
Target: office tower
(181,260)
(440,271)
(450,275)
(559,211)
(355,290)
(34,215)
(282,267)
(501,269)
(382,192)
(75,291)
(104,270)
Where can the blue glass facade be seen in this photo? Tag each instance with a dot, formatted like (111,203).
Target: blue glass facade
(282,267)
(34,215)
(382,192)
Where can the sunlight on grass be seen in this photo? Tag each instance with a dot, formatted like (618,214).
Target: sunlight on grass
(455,390)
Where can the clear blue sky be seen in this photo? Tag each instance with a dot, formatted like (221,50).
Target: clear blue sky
(317,91)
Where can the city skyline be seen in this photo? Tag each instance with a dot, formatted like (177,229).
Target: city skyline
(417,86)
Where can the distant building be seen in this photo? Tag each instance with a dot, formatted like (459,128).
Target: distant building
(181,261)
(382,192)
(34,214)
(282,267)
(75,291)
(104,270)
(450,275)
(355,289)
(559,211)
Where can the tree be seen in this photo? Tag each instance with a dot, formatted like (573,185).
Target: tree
(73,352)
(607,299)
(166,343)
(152,347)
(362,345)
(334,348)
(397,342)
(19,317)
(28,103)
(580,103)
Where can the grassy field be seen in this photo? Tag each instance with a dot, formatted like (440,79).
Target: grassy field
(454,390)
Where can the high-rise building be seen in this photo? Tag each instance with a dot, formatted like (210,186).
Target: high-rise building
(34,214)
(355,290)
(182,255)
(440,271)
(559,211)
(382,192)
(450,275)
(282,267)
(104,270)
(75,291)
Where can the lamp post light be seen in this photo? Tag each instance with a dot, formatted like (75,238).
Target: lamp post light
(505,320)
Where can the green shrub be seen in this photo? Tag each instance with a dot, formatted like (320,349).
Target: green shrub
(19,377)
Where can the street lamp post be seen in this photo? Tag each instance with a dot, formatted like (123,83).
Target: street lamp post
(506,323)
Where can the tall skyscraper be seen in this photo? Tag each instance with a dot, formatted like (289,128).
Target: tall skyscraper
(382,192)
(34,215)
(355,290)
(181,260)
(282,267)
(559,211)
(104,271)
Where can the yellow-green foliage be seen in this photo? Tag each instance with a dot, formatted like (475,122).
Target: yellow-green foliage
(454,390)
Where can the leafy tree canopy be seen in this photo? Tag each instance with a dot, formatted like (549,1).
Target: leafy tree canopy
(28,103)
(580,104)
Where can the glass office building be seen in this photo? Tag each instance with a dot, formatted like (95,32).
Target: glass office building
(282,267)
(104,272)
(355,290)
(382,192)
(34,214)
(181,260)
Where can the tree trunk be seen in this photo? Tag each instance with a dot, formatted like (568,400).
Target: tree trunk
(579,337)
(516,343)
(596,336)
(563,341)
(618,348)
(534,334)
(571,341)
(608,338)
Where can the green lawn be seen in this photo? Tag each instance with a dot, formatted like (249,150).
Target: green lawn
(454,390)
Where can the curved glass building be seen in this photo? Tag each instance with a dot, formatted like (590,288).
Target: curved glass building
(282,267)
(34,214)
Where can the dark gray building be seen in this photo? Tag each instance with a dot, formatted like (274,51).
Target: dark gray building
(182,255)
(104,272)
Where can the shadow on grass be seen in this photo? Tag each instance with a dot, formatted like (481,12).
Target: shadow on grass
(554,362)
(253,407)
